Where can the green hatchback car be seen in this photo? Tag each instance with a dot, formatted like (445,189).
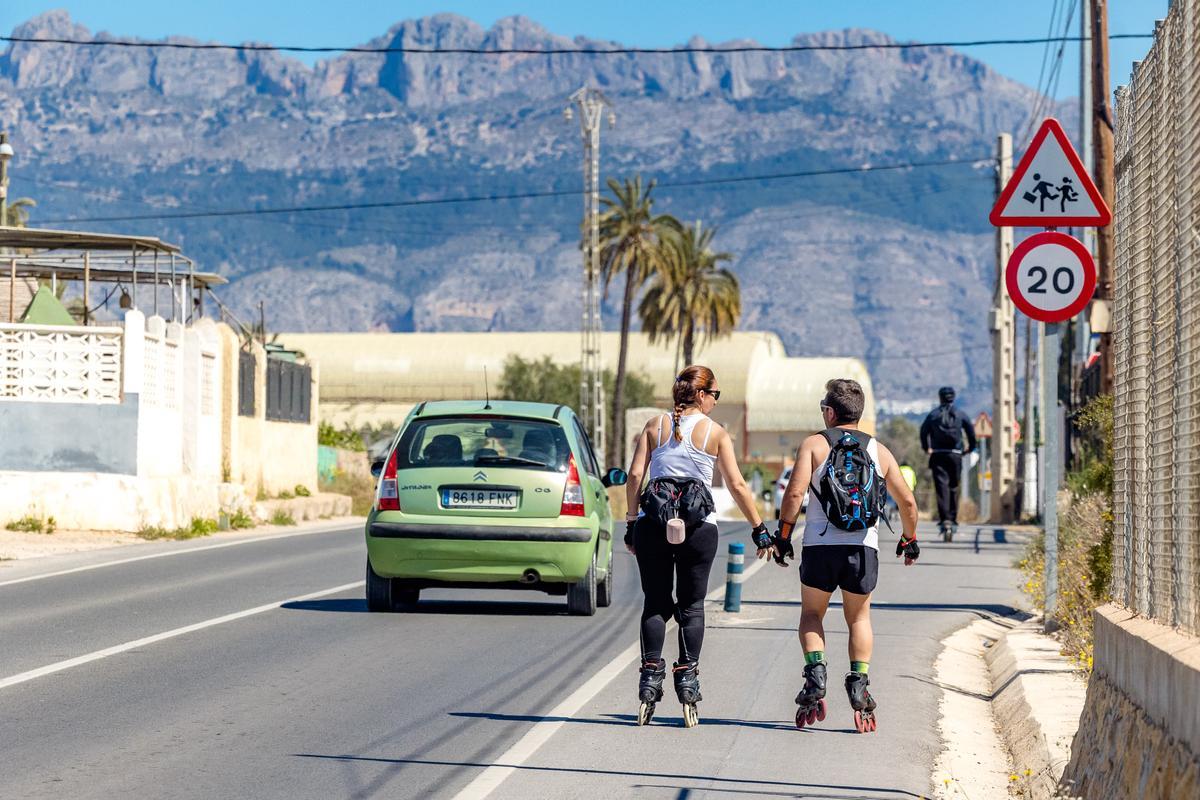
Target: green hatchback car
(498,494)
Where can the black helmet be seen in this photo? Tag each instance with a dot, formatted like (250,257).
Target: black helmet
(946,394)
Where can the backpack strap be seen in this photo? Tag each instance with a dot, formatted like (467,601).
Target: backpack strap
(834,435)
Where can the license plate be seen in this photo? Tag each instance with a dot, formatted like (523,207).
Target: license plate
(479,498)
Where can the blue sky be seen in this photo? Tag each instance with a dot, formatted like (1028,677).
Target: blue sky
(633,22)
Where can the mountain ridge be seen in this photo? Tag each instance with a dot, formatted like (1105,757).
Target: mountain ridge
(111,130)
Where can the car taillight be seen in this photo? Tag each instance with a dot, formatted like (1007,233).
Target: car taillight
(572,502)
(389,493)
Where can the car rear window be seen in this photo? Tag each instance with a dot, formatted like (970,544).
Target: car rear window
(484,441)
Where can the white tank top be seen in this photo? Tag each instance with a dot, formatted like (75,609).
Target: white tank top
(674,459)
(818,530)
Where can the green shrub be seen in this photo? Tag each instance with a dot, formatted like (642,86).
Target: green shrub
(285,495)
(281,517)
(197,528)
(301,491)
(345,438)
(32,524)
(240,520)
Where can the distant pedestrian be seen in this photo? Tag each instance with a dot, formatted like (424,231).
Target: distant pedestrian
(942,438)
(1067,194)
(671,529)
(844,472)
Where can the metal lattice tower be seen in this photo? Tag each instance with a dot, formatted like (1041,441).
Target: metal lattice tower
(591,105)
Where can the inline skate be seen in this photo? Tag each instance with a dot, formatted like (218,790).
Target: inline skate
(687,688)
(650,689)
(811,700)
(861,701)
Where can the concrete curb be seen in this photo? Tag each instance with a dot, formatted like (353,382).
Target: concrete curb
(1037,700)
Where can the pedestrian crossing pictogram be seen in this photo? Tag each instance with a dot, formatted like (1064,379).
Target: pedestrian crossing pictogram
(1050,187)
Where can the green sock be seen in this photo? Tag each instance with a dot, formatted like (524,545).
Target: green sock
(815,657)
(859,667)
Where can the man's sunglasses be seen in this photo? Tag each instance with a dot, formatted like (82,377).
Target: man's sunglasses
(716,395)
(825,407)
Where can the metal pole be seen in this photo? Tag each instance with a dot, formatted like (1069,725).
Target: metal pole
(12,290)
(156,283)
(87,282)
(1004,386)
(4,178)
(591,105)
(173,287)
(134,298)
(1083,334)
(1050,353)
(1029,499)
(1103,173)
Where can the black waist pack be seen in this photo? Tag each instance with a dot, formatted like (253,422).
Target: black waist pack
(685,498)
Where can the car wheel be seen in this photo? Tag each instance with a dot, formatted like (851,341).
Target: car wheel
(581,596)
(604,589)
(379,591)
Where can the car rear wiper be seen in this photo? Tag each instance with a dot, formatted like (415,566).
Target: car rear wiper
(529,462)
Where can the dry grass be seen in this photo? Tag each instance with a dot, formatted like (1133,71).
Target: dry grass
(360,488)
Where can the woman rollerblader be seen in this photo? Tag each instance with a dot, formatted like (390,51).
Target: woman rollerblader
(674,535)
(844,472)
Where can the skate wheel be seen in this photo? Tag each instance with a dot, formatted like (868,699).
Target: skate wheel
(801,718)
(860,724)
(820,713)
(874,723)
(691,716)
(645,713)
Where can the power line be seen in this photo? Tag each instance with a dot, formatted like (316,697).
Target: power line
(504,197)
(552,51)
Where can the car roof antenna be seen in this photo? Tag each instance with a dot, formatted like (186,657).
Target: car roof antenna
(487,397)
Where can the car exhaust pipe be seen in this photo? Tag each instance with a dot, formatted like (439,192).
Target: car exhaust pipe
(530,576)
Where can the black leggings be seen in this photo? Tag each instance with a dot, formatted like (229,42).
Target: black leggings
(687,566)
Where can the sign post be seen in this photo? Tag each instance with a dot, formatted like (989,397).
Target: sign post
(1051,278)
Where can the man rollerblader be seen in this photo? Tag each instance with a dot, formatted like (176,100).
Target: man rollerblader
(844,471)
(941,437)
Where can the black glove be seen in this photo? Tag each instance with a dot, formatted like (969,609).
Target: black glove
(760,536)
(630,524)
(908,548)
(783,549)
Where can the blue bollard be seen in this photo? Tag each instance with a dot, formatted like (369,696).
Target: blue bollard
(733,577)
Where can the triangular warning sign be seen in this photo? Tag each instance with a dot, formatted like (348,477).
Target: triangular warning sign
(1050,187)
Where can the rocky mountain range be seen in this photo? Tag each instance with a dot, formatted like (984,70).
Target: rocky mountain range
(894,266)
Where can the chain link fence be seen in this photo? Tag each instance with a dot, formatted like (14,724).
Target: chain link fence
(1156,329)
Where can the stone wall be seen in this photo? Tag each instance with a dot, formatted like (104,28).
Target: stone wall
(1140,729)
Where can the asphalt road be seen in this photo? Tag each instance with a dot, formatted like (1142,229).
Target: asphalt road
(319,699)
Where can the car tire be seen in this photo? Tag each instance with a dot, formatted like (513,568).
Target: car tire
(581,596)
(379,591)
(604,589)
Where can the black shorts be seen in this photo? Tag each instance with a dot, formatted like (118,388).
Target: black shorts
(852,568)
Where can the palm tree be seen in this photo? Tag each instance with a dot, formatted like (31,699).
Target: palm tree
(691,297)
(18,211)
(630,244)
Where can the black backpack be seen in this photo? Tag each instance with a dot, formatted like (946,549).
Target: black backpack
(850,491)
(685,498)
(947,428)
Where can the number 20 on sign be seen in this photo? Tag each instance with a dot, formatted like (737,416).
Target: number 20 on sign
(1051,276)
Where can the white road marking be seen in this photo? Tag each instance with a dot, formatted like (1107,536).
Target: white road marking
(59,666)
(182,551)
(508,763)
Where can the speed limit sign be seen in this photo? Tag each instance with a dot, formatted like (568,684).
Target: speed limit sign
(1051,276)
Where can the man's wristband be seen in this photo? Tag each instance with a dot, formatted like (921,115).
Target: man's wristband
(785,529)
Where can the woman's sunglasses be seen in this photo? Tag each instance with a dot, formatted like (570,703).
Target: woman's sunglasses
(716,395)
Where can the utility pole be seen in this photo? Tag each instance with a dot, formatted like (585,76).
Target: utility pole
(6,152)
(1004,387)
(1102,144)
(591,105)
(1050,470)
(1083,334)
